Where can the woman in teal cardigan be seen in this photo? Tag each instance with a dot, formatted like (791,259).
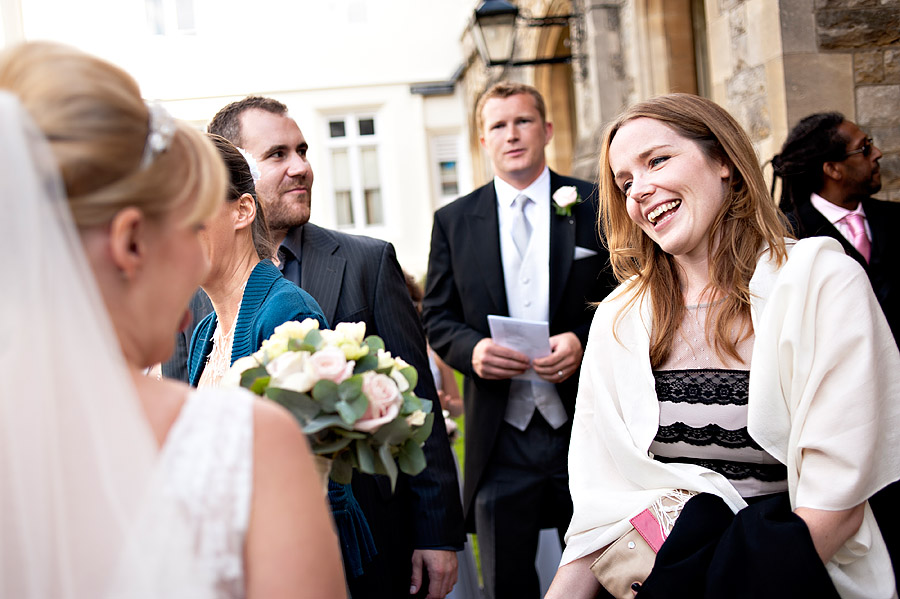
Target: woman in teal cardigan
(247,291)
(250,298)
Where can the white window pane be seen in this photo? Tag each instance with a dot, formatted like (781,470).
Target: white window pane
(344,208)
(156,18)
(340,168)
(449,178)
(370,167)
(184,12)
(373,207)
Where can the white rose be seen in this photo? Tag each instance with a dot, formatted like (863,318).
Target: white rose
(330,337)
(384,402)
(297,330)
(330,364)
(417,418)
(301,382)
(352,331)
(287,363)
(274,346)
(565,196)
(232,377)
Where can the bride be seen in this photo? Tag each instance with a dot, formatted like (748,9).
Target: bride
(116,484)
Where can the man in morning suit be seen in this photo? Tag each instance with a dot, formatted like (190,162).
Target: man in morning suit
(504,250)
(355,278)
(829,170)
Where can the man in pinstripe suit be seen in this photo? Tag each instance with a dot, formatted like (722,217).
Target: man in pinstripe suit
(418,528)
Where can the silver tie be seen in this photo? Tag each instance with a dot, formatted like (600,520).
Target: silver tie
(521,228)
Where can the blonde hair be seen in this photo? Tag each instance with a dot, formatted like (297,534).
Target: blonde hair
(747,221)
(96,122)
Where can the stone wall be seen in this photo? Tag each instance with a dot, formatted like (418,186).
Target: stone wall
(845,55)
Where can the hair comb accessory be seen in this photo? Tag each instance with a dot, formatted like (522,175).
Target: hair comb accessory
(159,135)
(251,162)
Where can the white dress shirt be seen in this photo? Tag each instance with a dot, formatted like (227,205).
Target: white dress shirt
(527,282)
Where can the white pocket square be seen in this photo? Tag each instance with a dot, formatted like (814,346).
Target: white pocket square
(581,252)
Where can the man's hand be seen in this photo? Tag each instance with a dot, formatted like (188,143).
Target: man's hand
(564,359)
(492,361)
(442,571)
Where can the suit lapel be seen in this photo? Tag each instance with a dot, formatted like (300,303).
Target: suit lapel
(562,249)
(879,227)
(321,272)
(483,234)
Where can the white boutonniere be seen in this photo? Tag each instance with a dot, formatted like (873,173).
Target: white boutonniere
(564,198)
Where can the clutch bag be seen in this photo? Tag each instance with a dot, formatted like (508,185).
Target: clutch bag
(630,558)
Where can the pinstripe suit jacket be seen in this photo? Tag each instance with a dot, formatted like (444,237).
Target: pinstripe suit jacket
(358,279)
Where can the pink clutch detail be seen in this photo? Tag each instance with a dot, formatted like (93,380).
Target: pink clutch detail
(650,529)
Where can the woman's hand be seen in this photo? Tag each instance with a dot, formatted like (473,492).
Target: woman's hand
(830,530)
(575,580)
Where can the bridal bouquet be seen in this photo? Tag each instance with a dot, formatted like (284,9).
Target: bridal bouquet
(354,401)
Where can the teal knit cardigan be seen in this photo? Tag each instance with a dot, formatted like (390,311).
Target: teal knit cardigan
(269,300)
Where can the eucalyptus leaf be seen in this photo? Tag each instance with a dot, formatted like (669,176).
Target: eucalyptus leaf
(314,339)
(421,434)
(411,403)
(390,466)
(392,433)
(338,444)
(324,421)
(366,457)
(366,363)
(411,458)
(351,388)
(250,376)
(350,434)
(359,405)
(375,343)
(301,405)
(346,412)
(326,393)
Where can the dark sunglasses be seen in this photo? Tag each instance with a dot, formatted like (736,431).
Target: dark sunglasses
(865,150)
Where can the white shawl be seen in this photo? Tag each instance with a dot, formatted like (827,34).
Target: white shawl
(824,399)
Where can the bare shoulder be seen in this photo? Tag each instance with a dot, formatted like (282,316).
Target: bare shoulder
(276,431)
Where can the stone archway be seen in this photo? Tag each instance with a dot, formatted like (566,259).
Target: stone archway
(556,84)
(672,46)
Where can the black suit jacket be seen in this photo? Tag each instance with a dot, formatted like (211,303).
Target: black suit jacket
(465,283)
(883,267)
(358,279)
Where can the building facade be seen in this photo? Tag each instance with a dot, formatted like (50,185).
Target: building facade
(769,62)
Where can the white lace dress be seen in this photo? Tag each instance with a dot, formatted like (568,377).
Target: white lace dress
(208,461)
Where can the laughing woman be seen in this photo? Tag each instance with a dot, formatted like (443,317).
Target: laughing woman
(733,363)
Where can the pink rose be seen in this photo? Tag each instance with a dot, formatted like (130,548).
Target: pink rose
(330,364)
(565,196)
(384,401)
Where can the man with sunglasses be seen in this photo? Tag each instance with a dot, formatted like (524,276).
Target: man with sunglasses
(829,170)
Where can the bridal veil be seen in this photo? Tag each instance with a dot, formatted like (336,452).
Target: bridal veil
(83,510)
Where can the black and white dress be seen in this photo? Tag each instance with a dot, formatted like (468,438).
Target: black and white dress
(703,411)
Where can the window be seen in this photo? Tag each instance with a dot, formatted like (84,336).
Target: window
(355,171)
(170,16)
(445,152)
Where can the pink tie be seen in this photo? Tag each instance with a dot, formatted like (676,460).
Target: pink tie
(860,240)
